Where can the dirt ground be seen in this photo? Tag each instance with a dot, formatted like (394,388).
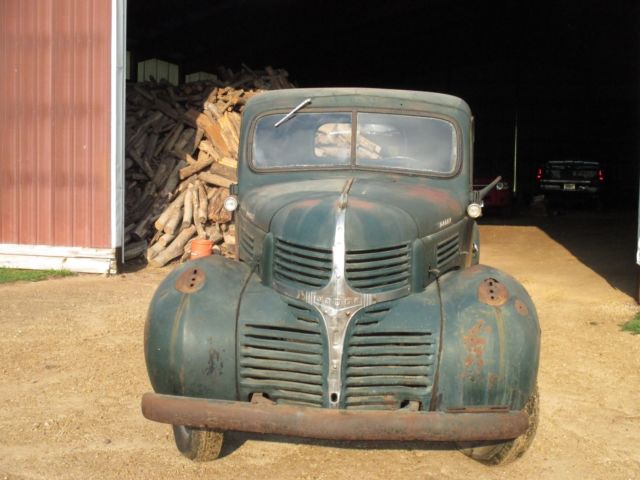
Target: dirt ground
(72,372)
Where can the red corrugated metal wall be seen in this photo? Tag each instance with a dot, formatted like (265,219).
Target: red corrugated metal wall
(55,122)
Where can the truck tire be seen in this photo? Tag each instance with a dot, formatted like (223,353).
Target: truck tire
(199,445)
(503,453)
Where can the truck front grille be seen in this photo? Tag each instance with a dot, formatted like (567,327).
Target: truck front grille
(379,269)
(247,246)
(301,265)
(284,360)
(387,366)
(447,251)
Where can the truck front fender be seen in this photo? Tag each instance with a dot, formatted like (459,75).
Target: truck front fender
(490,340)
(190,332)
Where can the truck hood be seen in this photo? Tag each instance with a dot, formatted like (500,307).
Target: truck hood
(379,212)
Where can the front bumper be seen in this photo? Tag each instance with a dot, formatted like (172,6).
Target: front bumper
(335,424)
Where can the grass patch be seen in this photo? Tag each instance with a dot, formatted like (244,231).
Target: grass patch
(8,275)
(633,325)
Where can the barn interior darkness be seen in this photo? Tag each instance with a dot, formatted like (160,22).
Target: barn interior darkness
(565,73)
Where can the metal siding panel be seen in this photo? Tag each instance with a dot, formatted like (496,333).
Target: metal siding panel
(10,18)
(62,188)
(27,160)
(43,102)
(101,139)
(82,121)
(55,122)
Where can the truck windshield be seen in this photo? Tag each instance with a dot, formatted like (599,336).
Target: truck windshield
(382,140)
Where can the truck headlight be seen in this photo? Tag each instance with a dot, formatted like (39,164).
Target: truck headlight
(230,204)
(474,210)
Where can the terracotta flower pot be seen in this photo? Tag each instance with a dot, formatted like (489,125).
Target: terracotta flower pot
(200,247)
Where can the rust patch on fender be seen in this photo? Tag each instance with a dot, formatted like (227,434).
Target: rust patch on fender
(521,308)
(191,280)
(492,292)
(474,344)
(213,363)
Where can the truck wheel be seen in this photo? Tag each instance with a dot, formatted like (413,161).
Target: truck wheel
(199,445)
(503,453)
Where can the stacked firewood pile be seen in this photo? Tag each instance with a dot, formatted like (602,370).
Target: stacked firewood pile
(181,158)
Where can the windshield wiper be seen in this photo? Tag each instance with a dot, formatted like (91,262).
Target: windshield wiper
(292,112)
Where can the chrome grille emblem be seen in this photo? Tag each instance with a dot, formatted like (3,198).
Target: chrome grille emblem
(337,302)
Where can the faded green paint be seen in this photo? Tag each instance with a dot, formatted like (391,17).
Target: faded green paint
(439,345)
(490,354)
(190,338)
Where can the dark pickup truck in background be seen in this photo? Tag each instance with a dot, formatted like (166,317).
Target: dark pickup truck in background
(564,181)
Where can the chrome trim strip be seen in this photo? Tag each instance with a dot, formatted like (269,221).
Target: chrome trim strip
(337,303)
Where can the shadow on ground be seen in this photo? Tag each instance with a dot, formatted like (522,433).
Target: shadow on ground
(234,440)
(604,241)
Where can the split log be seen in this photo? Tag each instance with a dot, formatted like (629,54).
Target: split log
(207,147)
(224,171)
(141,229)
(202,203)
(189,159)
(175,205)
(214,234)
(185,142)
(216,211)
(212,130)
(159,245)
(187,211)
(150,147)
(142,163)
(215,179)
(196,208)
(169,139)
(200,164)
(173,222)
(134,250)
(187,252)
(229,162)
(172,180)
(175,249)
(163,172)
(167,109)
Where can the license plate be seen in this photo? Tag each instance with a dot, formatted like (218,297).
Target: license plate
(569,186)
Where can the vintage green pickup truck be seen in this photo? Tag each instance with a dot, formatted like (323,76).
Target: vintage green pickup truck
(358,309)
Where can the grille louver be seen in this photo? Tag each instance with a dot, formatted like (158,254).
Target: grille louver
(447,251)
(303,266)
(285,361)
(386,367)
(247,246)
(379,269)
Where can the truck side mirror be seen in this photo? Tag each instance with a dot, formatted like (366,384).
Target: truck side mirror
(478,195)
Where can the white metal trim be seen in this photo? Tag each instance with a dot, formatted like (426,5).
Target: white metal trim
(75,259)
(118,72)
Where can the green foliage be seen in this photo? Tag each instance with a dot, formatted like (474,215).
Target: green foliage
(8,275)
(632,325)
